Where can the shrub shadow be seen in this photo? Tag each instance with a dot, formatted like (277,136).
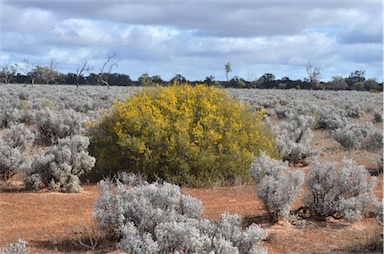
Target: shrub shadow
(71,246)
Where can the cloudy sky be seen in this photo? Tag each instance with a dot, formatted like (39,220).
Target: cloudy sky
(196,38)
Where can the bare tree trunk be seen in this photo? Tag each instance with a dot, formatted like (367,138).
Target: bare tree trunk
(85,67)
(103,75)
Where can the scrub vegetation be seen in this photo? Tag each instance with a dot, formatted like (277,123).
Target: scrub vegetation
(144,146)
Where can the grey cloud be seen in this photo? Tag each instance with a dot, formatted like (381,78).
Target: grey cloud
(208,18)
(197,37)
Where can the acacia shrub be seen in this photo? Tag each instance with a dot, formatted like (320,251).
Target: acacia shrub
(186,135)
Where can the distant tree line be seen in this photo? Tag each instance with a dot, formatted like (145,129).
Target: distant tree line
(38,74)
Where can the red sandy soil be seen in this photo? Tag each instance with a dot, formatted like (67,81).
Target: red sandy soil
(54,222)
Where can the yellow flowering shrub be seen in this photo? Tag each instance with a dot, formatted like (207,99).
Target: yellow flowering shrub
(197,136)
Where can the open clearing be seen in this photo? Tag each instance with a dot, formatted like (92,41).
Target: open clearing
(54,222)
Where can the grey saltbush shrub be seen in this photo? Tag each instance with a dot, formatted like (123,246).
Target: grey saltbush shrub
(264,166)
(359,136)
(284,112)
(294,139)
(380,163)
(157,218)
(61,167)
(353,110)
(322,181)
(348,191)
(8,110)
(276,186)
(355,190)
(196,236)
(329,118)
(144,204)
(12,161)
(377,117)
(8,116)
(25,115)
(20,247)
(19,136)
(380,212)
(54,125)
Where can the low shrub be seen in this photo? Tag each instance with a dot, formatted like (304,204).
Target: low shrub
(377,117)
(12,161)
(53,125)
(353,110)
(130,198)
(284,112)
(380,163)
(348,191)
(359,136)
(157,218)
(197,136)
(61,167)
(379,212)
(276,186)
(294,139)
(322,182)
(329,117)
(19,136)
(20,247)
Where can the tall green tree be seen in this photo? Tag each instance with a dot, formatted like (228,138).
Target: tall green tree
(356,76)
(145,80)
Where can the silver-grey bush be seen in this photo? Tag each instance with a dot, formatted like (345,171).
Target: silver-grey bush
(12,161)
(276,186)
(294,139)
(55,125)
(158,218)
(359,136)
(20,247)
(61,167)
(347,191)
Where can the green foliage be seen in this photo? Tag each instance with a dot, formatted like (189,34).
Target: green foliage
(373,91)
(197,136)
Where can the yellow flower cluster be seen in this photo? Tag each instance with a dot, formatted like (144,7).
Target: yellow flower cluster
(184,134)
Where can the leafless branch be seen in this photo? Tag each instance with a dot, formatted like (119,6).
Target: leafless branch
(85,67)
(87,236)
(103,75)
(314,73)
(29,70)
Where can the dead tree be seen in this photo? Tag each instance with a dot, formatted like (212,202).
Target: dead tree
(105,71)
(29,70)
(85,67)
(314,74)
(51,72)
